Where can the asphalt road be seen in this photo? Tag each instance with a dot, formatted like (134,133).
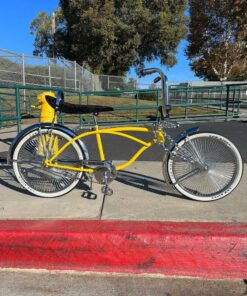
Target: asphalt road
(120,149)
(35,283)
(117,148)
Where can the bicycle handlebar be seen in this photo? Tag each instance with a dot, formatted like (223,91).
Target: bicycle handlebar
(165,108)
(145,72)
(157,79)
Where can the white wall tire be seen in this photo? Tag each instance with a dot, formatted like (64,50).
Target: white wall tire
(44,186)
(222,159)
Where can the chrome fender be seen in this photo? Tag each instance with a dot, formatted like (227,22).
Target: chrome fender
(44,125)
(177,139)
(183,135)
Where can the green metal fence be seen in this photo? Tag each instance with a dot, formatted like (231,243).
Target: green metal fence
(226,101)
(188,103)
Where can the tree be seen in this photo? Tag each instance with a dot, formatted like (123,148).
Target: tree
(217,39)
(110,36)
(41,27)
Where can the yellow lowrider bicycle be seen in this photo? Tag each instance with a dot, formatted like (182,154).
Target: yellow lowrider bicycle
(49,159)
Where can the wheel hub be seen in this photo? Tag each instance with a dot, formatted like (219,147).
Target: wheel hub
(105,174)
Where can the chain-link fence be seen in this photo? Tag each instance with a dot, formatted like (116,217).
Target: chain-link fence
(52,72)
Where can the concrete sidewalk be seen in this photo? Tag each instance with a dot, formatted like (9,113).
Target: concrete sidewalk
(139,194)
(43,283)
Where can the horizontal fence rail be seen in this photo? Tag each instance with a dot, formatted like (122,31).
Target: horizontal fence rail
(18,104)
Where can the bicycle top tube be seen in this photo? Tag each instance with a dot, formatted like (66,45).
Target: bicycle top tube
(116,131)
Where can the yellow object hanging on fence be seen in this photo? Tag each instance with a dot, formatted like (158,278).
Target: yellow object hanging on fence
(47,115)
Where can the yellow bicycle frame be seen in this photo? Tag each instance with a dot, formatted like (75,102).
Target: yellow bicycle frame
(117,131)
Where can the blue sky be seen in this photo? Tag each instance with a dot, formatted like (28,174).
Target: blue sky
(15,19)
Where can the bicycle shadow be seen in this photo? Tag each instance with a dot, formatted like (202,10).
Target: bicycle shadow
(7,141)
(8,179)
(139,181)
(147,183)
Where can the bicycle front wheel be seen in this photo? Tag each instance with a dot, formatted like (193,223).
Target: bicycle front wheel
(28,163)
(205,166)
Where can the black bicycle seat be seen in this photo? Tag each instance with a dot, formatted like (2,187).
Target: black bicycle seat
(75,108)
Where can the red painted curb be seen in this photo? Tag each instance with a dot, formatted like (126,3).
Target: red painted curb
(210,250)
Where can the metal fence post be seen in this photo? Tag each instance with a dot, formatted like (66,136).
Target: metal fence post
(88,102)
(137,104)
(157,101)
(239,100)
(221,94)
(209,98)
(82,82)
(18,109)
(23,70)
(24,82)
(49,71)
(64,73)
(80,102)
(29,105)
(233,100)
(227,100)
(186,103)
(1,123)
(75,75)
(92,82)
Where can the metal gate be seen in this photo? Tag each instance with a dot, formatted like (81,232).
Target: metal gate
(236,100)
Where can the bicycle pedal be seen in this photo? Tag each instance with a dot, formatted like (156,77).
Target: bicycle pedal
(89,195)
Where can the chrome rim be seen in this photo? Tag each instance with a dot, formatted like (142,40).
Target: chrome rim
(43,179)
(204,166)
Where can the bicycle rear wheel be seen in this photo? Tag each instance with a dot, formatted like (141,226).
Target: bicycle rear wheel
(205,166)
(28,163)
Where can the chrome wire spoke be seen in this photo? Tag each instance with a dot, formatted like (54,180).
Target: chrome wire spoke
(187,175)
(42,178)
(215,155)
(28,161)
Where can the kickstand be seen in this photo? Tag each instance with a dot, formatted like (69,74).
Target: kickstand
(102,206)
(90,177)
(106,191)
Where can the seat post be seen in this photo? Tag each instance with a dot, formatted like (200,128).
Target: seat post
(98,137)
